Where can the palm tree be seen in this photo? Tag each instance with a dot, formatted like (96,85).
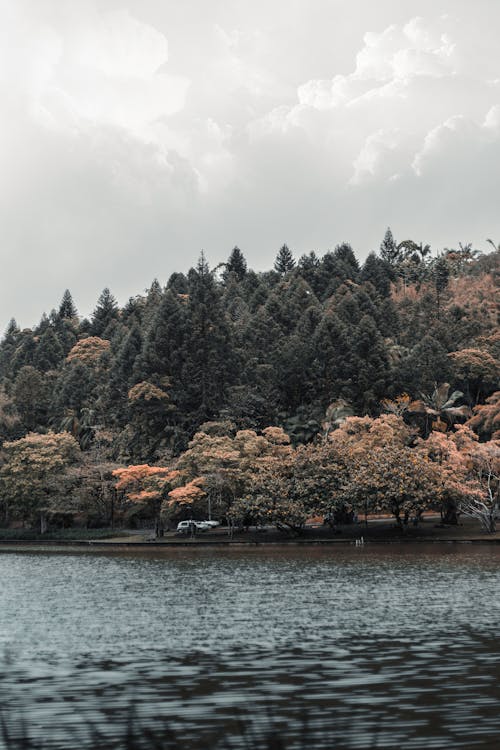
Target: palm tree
(336,414)
(413,251)
(441,405)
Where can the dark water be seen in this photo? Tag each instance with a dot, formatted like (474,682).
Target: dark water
(388,647)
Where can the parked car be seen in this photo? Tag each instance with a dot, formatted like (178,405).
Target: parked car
(211,524)
(185,527)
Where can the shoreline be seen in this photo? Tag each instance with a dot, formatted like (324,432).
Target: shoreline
(97,545)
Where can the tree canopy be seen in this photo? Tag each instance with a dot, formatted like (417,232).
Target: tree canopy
(191,377)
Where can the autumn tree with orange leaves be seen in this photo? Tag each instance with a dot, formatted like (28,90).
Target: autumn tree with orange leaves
(485,419)
(383,472)
(33,474)
(229,464)
(148,486)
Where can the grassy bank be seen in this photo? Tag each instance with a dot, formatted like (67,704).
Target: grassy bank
(61,535)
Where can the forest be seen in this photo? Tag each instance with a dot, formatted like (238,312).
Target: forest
(262,397)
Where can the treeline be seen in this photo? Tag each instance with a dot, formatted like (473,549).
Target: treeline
(300,347)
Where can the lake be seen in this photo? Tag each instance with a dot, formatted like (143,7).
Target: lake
(386,646)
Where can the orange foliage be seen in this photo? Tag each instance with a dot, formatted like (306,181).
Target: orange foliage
(88,351)
(131,475)
(276,435)
(144,495)
(475,364)
(148,392)
(486,418)
(187,494)
(146,484)
(477,294)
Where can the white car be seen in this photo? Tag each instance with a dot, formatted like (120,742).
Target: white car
(184,527)
(211,524)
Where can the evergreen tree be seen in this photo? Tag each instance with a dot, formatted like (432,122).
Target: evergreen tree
(378,273)
(389,251)
(178,283)
(235,304)
(31,396)
(209,354)
(332,360)
(347,307)
(125,371)
(67,307)
(152,303)
(104,314)
(370,362)
(75,391)
(44,323)
(441,277)
(66,330)
(8,347)
(25,350)
(163,349)
(287,302)
(426,365)
(335,269)
(345,254)
(308,267)
(284,262)
(49,353)
(236,264)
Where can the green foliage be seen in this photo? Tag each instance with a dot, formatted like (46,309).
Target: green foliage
(284,262)
(389,251)
(251,349)
(236,265)
(105,313)
(67,307)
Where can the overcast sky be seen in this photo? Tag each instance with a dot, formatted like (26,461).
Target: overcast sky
(133,134)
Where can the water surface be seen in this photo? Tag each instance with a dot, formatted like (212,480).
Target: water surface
(384,647)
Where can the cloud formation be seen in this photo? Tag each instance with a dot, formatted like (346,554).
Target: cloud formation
(133,136)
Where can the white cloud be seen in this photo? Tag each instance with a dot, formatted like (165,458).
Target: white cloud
(110,70)
(406,86)
(381,157)
(117,45)
(131,138)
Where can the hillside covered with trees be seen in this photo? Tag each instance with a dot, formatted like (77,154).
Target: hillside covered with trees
(321,383)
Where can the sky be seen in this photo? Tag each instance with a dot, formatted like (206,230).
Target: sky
(134,134)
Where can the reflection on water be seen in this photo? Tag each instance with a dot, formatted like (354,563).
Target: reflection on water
(386,647)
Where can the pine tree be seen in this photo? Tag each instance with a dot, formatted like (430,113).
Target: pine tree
(345,253)
(125,371)
(178,283)
(335,268)
(427,364)
(441,277)
(163,349)
(25,351)
(31,397)
(209,354)
(236,265)
(331,366)
(67,307)
(287,301)
(105,313)
(284,262)
(379,273)
(49,353)
(370,367)
(8,346)
(389,251)
(308,267)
